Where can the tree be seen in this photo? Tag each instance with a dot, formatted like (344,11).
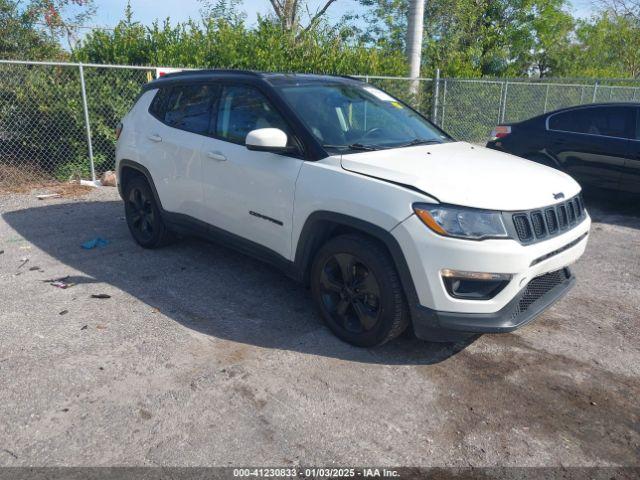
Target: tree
(227,10)
(476,37)
(21,37)
(32,29)
(386,23)
(606,47)
(415,32)
(546,49)
(288,13)
(622,8)
(609,42)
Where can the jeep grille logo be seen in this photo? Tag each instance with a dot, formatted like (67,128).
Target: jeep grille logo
(558,196)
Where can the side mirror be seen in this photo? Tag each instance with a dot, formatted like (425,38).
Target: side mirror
(268,140)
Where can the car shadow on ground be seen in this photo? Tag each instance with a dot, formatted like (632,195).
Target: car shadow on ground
(203,286)
(613,208)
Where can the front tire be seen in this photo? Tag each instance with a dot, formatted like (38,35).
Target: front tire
(357,290)
(143,215)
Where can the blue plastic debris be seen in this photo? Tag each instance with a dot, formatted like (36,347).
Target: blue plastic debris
(96,242)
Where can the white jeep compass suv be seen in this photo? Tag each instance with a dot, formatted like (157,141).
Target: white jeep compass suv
(388,220)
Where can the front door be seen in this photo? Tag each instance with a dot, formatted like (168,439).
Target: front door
(248,193)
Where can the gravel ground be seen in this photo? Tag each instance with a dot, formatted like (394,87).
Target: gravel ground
(205,357)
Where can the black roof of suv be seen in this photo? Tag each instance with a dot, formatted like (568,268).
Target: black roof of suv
(272,78)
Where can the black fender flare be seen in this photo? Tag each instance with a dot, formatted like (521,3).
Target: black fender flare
(144,171)
(319,226)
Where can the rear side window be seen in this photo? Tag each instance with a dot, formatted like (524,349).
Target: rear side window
(158,104)
(186,107)
(604,121)
(242,109)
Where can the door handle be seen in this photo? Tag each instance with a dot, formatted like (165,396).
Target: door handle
(216,156)
(155,138)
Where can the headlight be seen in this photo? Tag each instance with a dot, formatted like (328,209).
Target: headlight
(461,222)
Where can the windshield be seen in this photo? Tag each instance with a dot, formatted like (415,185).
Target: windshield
(353,117)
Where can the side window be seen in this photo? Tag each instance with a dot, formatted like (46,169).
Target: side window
(242,109)
(158,104)
(565,122)
(189,108)
(605,121)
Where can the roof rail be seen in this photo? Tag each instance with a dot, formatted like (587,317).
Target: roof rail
(210,71)
(350,77)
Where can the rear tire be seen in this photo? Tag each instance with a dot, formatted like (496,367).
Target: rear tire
(143,215)
(357,290)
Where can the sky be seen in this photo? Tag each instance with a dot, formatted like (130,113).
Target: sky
(109,12)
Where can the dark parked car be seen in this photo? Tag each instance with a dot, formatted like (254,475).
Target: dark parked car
(597,144)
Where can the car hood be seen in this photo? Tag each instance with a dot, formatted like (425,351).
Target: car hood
(463,174)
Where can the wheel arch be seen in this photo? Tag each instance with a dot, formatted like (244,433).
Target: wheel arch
(128,170)
(321,226)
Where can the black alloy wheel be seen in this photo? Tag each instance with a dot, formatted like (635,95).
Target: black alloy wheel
(357,290)
(350,293)
(143,215)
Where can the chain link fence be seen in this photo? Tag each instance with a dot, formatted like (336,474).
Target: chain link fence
(58,120)
(469,109)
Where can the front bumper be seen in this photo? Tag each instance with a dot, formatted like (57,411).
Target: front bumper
(435,325)
(436,314)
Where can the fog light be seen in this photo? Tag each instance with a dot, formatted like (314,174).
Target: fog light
(474,285)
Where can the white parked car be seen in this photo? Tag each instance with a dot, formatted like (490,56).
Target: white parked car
(390,222)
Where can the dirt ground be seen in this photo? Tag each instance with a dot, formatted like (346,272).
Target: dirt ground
(202,356)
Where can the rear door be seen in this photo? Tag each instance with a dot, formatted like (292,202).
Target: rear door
(630,181)
(592,143)
(173,140)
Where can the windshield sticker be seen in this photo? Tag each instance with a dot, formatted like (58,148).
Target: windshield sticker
(379,94)
(396,104)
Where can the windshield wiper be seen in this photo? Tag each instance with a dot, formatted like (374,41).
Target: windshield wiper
(368,148)
(417,141)
(355,146)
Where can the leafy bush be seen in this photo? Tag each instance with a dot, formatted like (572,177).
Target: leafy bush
(218,43)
